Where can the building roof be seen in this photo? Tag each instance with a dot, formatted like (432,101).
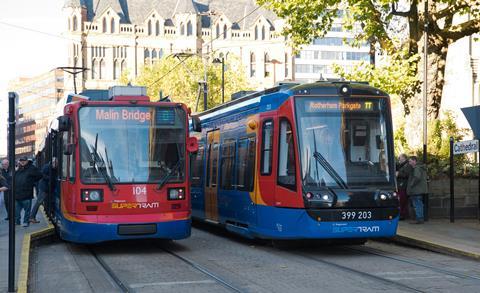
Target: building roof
(136,11)
(74,3)
(185,6)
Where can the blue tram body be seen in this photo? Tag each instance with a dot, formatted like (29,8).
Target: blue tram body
(308,161)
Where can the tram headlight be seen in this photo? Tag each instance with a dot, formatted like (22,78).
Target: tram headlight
(176,193)
(92,195)
(386,195)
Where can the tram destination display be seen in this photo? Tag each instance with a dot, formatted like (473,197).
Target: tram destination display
(335,105)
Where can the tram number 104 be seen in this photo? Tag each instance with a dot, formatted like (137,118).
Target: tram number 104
(356,215)
(139,190)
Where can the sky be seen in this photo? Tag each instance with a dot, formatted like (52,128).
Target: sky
(26,53)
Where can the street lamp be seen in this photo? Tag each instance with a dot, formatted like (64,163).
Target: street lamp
(275,62)
(221,61)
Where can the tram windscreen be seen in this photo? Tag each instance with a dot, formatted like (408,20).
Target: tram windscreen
(343,142)
(132,144)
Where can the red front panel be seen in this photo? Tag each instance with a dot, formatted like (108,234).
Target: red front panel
(273,193)
(140,202)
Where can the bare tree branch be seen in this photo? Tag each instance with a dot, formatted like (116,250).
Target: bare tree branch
(461,30)
(399,13)
(452,9)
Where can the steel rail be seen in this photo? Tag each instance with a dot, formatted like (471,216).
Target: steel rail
(377,252)
(122,286)
(362,273)
(203,270)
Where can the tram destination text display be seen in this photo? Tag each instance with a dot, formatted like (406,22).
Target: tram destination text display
(316,105)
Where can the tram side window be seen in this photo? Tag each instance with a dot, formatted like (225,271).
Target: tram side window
(286,156)
(214,164)
(267,147)
(209,165)
(246,164)
(71,169)
(227,164)
(197,168)
(64,157)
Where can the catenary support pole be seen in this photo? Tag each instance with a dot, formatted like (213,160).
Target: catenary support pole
(452,182)
(11,209)
(223,80)
(425,103)
(478,179)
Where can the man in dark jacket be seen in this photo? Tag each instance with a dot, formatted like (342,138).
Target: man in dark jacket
(3,184)
(403,173)
(43,187)
(25,177)
(417,187)
(8,177)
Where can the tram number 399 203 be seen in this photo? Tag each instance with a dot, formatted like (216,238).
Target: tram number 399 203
(356,215)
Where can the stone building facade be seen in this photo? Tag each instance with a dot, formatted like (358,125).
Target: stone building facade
(119,35)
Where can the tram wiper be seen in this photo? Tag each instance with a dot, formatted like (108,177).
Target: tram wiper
(95,159)
(169,174)
(330,170)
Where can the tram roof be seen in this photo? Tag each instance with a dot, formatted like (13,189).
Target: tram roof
(316,88)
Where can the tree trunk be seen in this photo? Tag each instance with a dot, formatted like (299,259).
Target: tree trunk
(436,61)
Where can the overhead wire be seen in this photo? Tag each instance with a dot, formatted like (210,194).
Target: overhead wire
(113,47)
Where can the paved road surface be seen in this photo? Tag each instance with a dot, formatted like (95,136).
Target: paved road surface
(215,261)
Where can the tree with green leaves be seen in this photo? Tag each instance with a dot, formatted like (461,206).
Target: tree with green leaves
(381,24)
(179,79)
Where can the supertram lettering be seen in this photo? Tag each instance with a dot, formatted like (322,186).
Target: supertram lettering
(363,229)
(135,205)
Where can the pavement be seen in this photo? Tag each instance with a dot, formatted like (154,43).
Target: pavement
(23,237)
(461,238)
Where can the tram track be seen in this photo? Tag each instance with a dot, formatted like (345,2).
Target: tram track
(203,270)
(124,287)
(379,253)
(386,281)
(114,277)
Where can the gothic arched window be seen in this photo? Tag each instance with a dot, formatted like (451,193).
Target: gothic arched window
(189,28)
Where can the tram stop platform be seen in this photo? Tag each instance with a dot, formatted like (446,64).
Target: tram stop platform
(23,238)
(461,238)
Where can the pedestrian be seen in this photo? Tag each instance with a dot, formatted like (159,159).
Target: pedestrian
(8,176)
(25,177)
(4,187)
(44,186)
(417,187)
(404,169)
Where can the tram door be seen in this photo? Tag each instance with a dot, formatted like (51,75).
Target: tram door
(211,182)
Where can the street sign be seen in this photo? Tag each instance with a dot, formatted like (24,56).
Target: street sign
(473,117)
(467,146)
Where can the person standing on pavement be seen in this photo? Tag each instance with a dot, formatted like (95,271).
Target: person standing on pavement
(43,187)
(4,187)
(8,177)
(25,177)
(417,187)
(404,169)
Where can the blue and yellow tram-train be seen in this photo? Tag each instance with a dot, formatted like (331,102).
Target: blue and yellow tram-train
(311,161)
(122,168)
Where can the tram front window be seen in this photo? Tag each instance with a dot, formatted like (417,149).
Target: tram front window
(343,142)
(132,144)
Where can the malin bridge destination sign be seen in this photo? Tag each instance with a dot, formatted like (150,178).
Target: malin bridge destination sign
(467,146)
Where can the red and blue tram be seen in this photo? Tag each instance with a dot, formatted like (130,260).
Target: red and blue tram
(122,167)
(312,161)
